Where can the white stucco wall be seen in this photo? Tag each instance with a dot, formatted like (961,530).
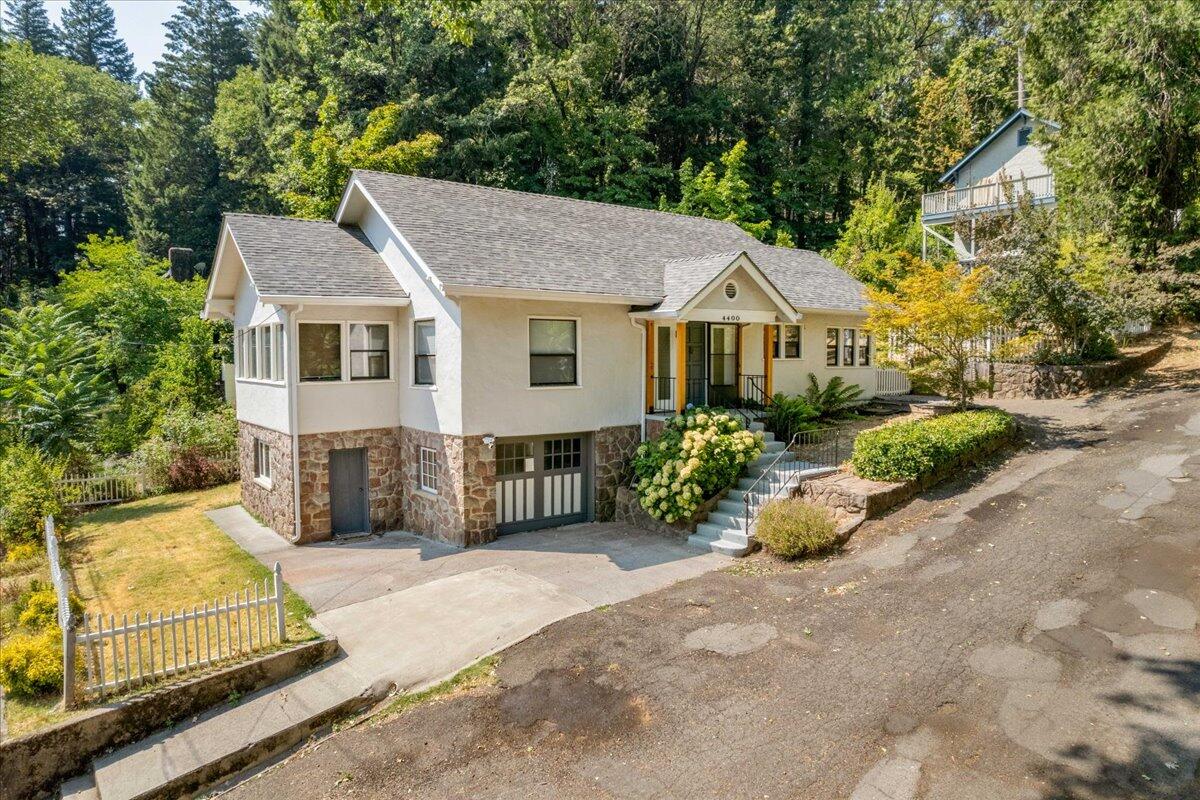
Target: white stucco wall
(791,375)
(437,408)
(497,397)
(344,405)
(261,403)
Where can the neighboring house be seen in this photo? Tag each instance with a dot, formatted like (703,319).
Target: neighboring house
(1008,163)
(462,362)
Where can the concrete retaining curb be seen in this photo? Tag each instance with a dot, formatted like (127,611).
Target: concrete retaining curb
(36,764)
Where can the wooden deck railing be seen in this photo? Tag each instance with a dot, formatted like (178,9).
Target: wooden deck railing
(985,196)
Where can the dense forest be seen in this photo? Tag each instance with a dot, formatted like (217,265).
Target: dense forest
(779,113)
(812,123)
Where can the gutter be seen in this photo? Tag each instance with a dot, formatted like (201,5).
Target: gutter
(293,368)
(641,375)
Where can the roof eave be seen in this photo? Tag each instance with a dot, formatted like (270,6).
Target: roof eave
(333,300)
(474,290)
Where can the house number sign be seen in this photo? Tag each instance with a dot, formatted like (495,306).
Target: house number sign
(731,318)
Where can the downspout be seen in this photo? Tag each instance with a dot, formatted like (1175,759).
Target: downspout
(293,368)
(641,374)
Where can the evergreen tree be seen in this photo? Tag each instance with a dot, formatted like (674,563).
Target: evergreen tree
(26,21)
(178,190)
(89,35)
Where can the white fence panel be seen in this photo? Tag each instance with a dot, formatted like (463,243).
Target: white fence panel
(891,381)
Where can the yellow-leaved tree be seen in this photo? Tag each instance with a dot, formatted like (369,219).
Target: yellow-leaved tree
(932,326)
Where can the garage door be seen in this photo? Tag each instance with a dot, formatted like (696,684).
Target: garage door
(542,481)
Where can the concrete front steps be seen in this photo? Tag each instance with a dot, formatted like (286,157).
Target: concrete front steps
(724,532)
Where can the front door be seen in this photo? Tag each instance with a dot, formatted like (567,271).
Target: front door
(722,364)
(697,364)
(542,482)
(348,501)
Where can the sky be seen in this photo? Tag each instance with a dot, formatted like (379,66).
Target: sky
(140,24)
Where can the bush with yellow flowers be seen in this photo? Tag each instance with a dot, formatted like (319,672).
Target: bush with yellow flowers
(699,453)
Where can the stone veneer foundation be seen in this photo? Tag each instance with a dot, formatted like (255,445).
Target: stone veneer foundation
(384,479)
(273,505)
(463,509)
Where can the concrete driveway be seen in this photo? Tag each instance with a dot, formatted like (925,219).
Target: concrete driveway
(597,563)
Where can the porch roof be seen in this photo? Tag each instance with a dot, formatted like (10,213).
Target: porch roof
(686,281)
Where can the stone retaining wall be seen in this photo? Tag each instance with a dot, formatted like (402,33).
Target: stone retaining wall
(35,764)
(1045,381)
(612,449)
(630,512)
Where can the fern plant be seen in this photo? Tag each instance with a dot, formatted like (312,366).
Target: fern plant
(834,400)
(786,416)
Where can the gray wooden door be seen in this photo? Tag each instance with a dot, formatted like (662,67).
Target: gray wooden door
(348,501)
(542,481)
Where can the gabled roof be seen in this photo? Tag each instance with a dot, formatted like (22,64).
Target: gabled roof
(298,258)
(686,281)
(474,236)
(1020,115)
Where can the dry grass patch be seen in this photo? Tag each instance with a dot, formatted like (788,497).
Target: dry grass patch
(162,553)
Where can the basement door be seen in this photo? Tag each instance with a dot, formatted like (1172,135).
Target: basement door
(348,499)
(542,481)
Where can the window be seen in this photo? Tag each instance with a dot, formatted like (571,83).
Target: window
(849,340)
(277,370)
(864,349)
(514,458)
(252,352)
(369,357)
(553,347)
(267,362)
(262,460)
(320,351)
(429,470)
(562,453)
(831,347)
(1023,134)
(424,353)
(788,340)
(239,355)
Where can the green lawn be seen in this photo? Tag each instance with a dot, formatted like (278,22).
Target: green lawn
(157,554)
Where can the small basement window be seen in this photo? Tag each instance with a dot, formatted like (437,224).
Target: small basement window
(262,461)
(429,470)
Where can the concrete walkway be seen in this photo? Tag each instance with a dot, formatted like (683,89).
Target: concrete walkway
(406,612)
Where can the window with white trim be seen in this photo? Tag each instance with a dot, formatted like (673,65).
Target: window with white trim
(789,342)
(277,370)
(424,353)
(370,358)
(864,348)
(553,352)
(320,351)
(429,470)
(831,347)
(252,352)
(849,346)
(262,460)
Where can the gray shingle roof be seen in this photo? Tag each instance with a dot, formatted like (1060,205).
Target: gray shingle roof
(683,278)
(310,258)
(481,236)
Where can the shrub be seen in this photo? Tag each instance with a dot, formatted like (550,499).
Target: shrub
(908,450)
(191,450)
(28,493)
(699,453)
(20,553)
(791,528)
(834,400)
(786,416)
(31,664)
(39,608)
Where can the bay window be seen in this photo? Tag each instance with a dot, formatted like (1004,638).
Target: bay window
(320,351)
(369,354)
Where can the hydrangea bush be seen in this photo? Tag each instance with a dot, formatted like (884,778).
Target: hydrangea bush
(699,453)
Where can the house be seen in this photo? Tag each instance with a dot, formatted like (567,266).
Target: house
(462,362)
(1008,163)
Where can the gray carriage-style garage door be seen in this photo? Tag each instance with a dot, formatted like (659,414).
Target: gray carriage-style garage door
(542,481)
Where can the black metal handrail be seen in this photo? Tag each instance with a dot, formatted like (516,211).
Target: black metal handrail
(814,449)
(749,392)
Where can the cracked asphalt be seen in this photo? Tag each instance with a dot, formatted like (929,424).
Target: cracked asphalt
(1026,631)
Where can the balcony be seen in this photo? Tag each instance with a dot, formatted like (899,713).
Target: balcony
(982,198)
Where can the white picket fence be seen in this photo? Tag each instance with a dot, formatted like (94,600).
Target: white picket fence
(891,381)
(123,655)
(83,489)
